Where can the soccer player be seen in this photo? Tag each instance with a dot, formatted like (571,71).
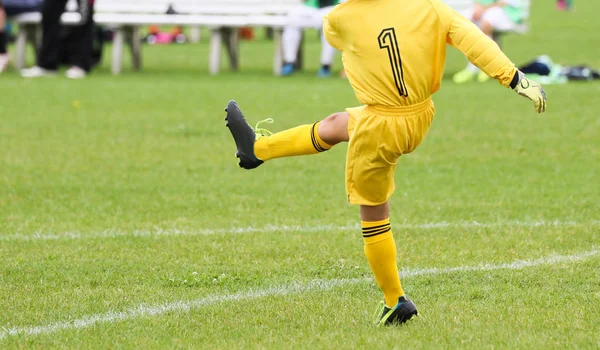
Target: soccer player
(393,52)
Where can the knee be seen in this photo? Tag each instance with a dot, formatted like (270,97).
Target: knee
(486,27)
(334,128)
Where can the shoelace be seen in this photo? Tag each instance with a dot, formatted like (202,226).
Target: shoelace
(378,313)
(262,131)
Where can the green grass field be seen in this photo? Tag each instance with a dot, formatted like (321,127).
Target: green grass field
(125,222)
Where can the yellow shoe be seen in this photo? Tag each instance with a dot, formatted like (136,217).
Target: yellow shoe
(482,77)
(464,76)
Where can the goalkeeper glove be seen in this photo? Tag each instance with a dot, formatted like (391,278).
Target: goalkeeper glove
(532,90)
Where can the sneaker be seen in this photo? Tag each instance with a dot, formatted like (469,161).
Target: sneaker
(4,59)
(399,314)
(37,72)
(287,69)
(244,135)
(482,77)
(464,76)
(324,73)
(75,73)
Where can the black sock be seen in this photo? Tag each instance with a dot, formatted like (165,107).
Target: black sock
(2,42)
(326,67)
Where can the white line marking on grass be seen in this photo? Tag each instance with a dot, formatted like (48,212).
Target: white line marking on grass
(516,265)
(178,306)
(157,231)
(288,289)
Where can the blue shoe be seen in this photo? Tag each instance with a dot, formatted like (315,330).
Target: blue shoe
(287,69)
(324,73)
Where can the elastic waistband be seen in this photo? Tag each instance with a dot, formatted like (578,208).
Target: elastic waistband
(393,111)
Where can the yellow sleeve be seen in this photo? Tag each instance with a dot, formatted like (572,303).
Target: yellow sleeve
(331,34)
(478,47)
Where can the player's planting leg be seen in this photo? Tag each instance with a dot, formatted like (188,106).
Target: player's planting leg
(256,145)
(380,249)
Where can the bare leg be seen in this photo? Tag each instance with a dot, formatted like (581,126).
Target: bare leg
(2,27)
(377,213)
(3,54)
(2,17)
(487,28)
(334,129)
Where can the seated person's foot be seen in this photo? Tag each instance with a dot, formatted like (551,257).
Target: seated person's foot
(75,73)
(324,72)
(4,59)
(287,69)
(37,72)
(464,76)
(482,77)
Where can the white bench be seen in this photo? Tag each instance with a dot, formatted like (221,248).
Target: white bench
(221,16)
(127,16)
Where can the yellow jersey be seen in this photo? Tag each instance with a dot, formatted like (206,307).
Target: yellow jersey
(394,50)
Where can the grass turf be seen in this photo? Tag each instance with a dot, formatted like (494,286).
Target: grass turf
(109,188)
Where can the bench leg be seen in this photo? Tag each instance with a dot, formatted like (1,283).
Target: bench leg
(136,48)
(195,34)
(214,63)
(117,54)
(278,56)
(21,47)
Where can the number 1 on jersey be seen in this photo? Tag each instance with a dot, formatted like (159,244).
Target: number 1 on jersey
(387,40)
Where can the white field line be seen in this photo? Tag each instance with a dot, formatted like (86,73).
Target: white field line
(157,231)
(288,289)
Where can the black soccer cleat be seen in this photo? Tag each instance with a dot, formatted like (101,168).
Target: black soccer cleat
(243,135)
(399,314)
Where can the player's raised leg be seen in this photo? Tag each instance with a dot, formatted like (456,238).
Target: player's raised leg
(380,249)
(256,145)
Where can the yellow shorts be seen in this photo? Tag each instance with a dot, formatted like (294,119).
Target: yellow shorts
(378,137)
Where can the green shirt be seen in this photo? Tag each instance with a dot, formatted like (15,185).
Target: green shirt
(515,13)
(320,3)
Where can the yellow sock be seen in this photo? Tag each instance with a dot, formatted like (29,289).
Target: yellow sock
(380,249)
(297,141)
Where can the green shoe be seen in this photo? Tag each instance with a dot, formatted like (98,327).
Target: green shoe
(482,77)
(399,314)
(464,76)
(244,135)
